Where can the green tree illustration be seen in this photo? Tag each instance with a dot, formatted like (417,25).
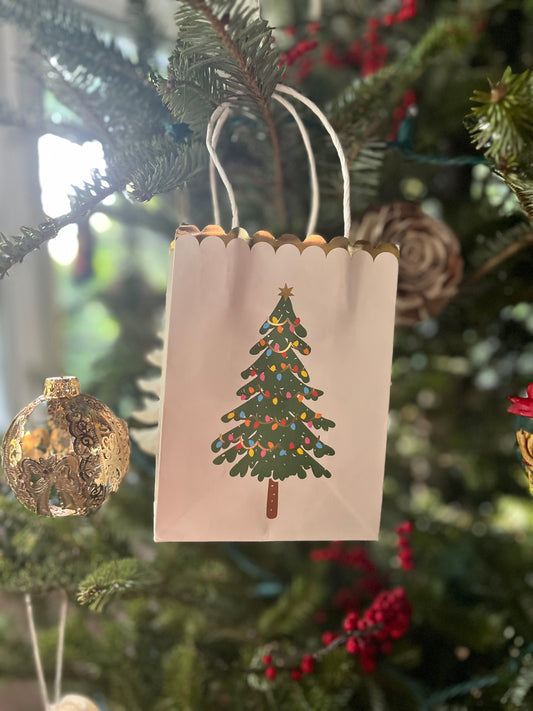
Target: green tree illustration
(273,437)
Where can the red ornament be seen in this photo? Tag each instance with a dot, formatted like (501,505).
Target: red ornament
(522,405)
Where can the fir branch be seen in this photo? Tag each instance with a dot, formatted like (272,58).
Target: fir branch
(503,123)
(113,579)
(461,689)
(364,109)
(13,249)
(502,126)
(494,262)
(237,45)
(515,696)
(521,183)
(144,29)
(158,166)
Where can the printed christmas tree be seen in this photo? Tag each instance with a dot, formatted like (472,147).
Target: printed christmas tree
(275,436)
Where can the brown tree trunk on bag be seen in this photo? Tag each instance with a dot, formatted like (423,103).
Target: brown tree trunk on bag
(272,498)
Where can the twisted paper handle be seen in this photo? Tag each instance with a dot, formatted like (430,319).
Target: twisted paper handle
(214,127)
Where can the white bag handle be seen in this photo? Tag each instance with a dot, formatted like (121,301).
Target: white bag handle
(214,127)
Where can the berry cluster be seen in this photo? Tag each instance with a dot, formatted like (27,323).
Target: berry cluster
(356,558)
(352,557)
(306,666)
(367,634)
(407,11)
(386,620)
(405,553)
(367,54)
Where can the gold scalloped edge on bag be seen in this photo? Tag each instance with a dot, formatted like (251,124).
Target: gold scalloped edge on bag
(264,236)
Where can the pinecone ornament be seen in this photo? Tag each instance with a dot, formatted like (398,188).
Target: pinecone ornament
(431,265)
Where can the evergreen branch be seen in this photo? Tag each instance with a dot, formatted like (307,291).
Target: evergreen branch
(521,183)
(90,75)
(76,133)
(13,249)
(85,110)
(503,123)
(110,580)
(144,28)
(237,45)
(461,689)
(502,126)
(494,262)
(362,111)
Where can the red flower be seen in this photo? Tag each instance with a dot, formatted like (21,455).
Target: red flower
(522,405)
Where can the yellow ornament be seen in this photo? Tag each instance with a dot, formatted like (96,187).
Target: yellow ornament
(74,702)
(65,451)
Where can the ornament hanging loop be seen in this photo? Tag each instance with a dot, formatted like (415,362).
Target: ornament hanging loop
(63,609)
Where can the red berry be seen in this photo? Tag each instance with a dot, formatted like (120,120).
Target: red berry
(408,99)
(350,621)
(372,23)
(308,664)
(296,674)
(406,13)
(352,646)
(389,19)
(313,28)
(271,672)
(328,637)
(291,31)
(267,659)
(330,57)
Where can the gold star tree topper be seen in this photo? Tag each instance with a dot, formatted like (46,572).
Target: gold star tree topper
(286,291)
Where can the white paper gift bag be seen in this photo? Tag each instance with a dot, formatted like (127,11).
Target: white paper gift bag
(276,383)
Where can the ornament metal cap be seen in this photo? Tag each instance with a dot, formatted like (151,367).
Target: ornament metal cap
(64,386)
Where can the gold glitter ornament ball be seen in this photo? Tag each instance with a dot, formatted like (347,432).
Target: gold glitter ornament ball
(75,702)
(65,451)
